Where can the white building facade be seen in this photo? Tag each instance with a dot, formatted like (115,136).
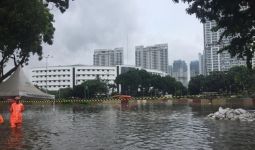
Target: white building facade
(57,77)
(152,57)
(106,57)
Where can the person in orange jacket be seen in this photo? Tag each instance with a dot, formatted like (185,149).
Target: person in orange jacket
(1,119)
(16,110)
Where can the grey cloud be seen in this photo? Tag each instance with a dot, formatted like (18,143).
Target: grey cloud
(95,23)
(91,24)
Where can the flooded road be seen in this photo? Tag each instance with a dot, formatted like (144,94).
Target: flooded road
(135,127)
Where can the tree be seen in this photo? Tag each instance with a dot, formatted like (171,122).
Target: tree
(142,83)
(196,85)
(237,80)
(215,82)
(64,93)
(168,84)
(180,90)
(237,20)
(24,26)
(239,76)
(131,81)
(93,88)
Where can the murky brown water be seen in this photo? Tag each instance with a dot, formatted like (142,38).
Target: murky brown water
(108,127)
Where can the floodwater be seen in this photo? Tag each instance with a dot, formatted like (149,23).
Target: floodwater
(133,127)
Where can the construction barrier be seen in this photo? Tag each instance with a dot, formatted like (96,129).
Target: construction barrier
(86,100)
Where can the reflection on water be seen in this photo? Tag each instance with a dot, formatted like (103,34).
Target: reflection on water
(131,126)
(15,139)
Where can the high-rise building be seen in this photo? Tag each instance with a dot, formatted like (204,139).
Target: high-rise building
(180,71)
(105,57)
(170,70)
(201,64)
(194,68)
(215,61)
(152,57)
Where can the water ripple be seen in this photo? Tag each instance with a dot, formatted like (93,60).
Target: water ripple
(107,127)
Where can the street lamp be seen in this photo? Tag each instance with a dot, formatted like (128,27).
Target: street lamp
(47,57)
(59,87)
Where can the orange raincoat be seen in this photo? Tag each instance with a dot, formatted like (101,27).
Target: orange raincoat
(16,110)
(1,119)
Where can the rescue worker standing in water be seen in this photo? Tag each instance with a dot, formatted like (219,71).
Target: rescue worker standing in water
(1,119)
(16,110)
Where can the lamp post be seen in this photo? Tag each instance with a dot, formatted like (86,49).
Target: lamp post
(47,57)
(59,87)
(86,95)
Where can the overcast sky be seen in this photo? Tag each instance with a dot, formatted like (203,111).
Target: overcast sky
(93,24)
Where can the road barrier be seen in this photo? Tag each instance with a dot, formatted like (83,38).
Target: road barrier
(85,100)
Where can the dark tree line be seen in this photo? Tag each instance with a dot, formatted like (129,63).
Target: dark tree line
(87,90)
(141,83)
(237,80)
